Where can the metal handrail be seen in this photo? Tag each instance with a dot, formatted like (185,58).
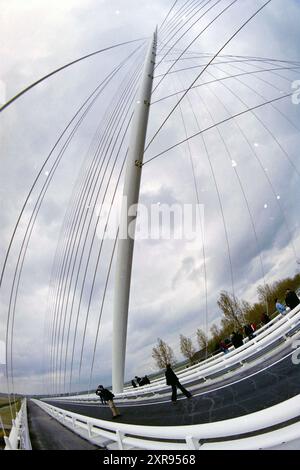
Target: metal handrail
(270,335)
(189,436)
(19,438)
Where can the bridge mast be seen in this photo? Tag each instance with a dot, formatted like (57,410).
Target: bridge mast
(128,218)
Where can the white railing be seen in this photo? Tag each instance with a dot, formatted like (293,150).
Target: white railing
(193,437)
(223,362)
(18,438)
(264,339)
(218,355)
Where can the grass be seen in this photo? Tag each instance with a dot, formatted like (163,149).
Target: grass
(5,414)
(3,401)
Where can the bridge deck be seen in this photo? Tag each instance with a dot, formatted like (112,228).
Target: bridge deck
(269,384)
(47,434)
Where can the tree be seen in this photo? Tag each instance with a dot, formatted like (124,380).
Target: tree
(163,354)
(266,294)
(255,313)
(202,339)
(232,309)
(187,348)
(215,331)
(216,336)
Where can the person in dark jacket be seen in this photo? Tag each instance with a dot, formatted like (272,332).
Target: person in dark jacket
(291,299)
(224,347)
(173,381)
(146,380)
(138,379)
(265,318)
(249,331)
(107,397)
(133,384)
(237,339)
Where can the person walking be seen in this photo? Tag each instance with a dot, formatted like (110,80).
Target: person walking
(279,307)
(224,347)
(291,299)
(237,339)
(138,379)
(173,381)
(265,318)
(249,332)
(146,380)
(107,397)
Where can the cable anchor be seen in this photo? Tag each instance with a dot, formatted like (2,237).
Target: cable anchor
(138,163)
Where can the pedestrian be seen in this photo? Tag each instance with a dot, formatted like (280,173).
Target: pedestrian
(291,299)
(133,384)
(279,307)
(141,382)
(265,318)
(249,332)
(138,379)
(173,381)
(237,339)
(224,347)
(107,397)
(146,380)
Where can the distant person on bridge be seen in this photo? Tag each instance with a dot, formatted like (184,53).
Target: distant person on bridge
(138,379)
(279,307)
(249,332)
(291,299)
(173,381)
(133,384)
(265,318)
(144,381)
(107,397)
(237,339)
(224,347)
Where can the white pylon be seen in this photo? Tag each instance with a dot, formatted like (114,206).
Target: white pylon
(128,219)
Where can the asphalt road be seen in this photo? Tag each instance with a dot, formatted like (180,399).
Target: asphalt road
(275,380)
(48,434)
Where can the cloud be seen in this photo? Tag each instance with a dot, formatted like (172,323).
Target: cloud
(168,284)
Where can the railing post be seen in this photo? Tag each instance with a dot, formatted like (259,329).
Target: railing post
(25,443)
(8,445)
(192,443)
(89,427)
(120,437)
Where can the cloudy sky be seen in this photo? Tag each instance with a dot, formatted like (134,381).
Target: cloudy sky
(246,174)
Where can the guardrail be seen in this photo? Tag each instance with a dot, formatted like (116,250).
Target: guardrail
(268,337)
(218,355)
(280,327)
(18,438)
(229,432)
